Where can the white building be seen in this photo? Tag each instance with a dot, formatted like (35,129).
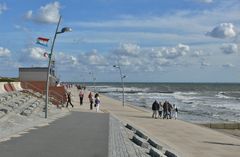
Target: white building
(37,74)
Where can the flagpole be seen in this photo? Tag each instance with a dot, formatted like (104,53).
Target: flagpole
(49,67)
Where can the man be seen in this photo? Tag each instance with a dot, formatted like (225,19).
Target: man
(81,95)
(155,108)
(69,99)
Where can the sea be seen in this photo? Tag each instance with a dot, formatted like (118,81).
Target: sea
(196,102)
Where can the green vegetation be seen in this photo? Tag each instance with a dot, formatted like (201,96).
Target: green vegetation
(5,79)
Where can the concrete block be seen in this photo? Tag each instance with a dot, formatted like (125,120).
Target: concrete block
(156,153)
(140,134)
(4,110)
(2,114)
(130,127)
(154,144)
(169,154)
(217,125)
(140,142)
(231,126)
(208,125)
(13,105)
(26,112)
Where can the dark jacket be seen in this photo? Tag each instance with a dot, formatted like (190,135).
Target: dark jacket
(165,106)
(155,105)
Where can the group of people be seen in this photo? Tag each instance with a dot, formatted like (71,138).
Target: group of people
(165,110)
(95,100)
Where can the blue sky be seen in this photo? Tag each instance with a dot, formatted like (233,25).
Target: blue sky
(152,40)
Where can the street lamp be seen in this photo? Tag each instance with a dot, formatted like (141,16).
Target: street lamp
(122,77)
(65,29)
(94,80)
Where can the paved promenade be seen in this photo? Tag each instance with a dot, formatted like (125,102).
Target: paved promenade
(186,139)
(78,134)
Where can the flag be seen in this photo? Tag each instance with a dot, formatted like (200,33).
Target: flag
(42,41)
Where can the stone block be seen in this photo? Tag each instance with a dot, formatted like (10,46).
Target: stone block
(208,125)
(154,144)
(26,112)
(140,141)
(130,127)
(153,152)
(4,110)
(231,126)
(140,134)
(169,154)
(2,114)
(217,125)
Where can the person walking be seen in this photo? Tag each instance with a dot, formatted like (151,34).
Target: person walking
(174,111)
(165,110)
(69,99)
(90,97)
(160,111)
(97,102)
(155,108)
(81,95)
(170,107)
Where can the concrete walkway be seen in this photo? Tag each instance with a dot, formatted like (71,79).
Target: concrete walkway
(186,139)
(78,134)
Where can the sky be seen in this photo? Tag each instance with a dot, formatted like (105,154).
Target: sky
(151,40)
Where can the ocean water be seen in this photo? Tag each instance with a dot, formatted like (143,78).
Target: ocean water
(196,102)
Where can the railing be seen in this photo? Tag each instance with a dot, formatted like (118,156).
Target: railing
(27,86)
(54,96)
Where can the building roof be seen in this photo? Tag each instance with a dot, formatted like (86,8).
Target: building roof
(33,69)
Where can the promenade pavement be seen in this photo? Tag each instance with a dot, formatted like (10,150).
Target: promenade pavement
(185,139)
(78,134)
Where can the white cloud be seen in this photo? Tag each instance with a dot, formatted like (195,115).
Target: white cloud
(205,64)
(3,7)
(4,52)
(223,30)
(29,14)
(197,53)
(149,59)
(93,58)
(35,54)
(128,49)
(175,52)
(228,65)
(229,48)
(65,59)
(49,13)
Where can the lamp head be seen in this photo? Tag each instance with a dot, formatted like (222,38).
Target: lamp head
(115,66)
(66,29)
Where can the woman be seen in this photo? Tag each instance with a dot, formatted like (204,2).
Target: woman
(97,102)
(90,97)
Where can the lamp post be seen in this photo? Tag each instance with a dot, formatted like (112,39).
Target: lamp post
(94,80)
(65,29)
(122,77)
